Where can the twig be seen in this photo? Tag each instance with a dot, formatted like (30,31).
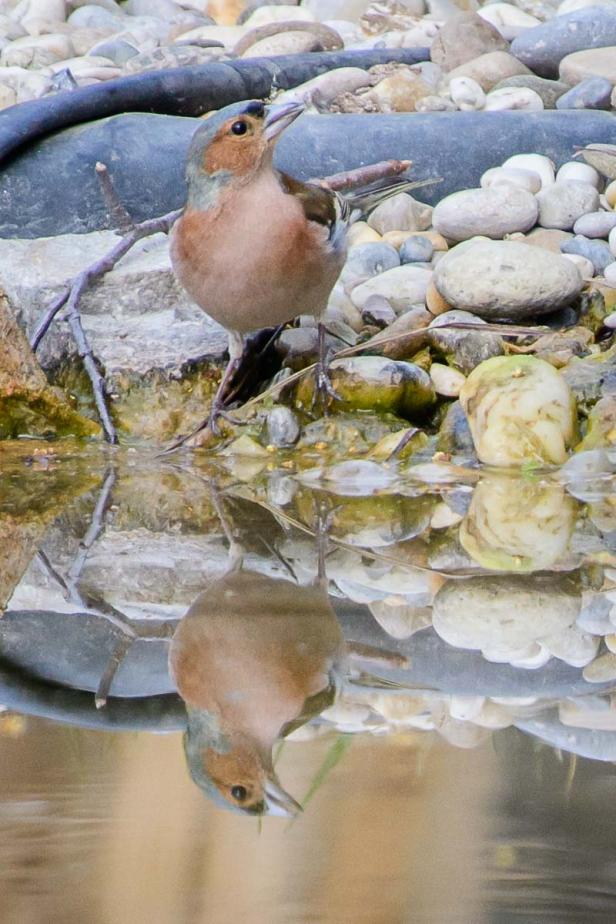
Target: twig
(96,527)
(363,176)
(121,217)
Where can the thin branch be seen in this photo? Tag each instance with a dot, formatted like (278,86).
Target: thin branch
(119,215)
(95,529)
(363,176)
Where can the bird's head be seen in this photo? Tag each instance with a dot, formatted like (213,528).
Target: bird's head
(235,143)
(233,771)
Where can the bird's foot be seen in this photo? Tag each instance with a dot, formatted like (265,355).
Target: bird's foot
(324,391)
(218,412)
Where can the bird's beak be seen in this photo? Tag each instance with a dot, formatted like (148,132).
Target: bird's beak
(279,802)
(280,117)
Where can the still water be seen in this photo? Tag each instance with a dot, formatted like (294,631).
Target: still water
(193,653)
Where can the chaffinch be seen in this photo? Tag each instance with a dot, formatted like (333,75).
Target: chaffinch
(255,247)
(253,658)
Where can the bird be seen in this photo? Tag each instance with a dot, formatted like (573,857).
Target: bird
(253,658)
(255,247)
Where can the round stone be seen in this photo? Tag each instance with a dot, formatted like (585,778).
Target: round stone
(366,261)
(402,286)
(543,47)
(524,179)
(592,62)
(510,20)
(463,38)
(548,90)
(610,275)
(400,213)
(579,173)
(612,241)
(446,381)
(492,212)
(513,98)
(466,94)
(417,249)
(282,427)
(585,266)
(610,194)
(538,163)
(595,224)
(463,347)
(562,204)
(591,93)
(506,280)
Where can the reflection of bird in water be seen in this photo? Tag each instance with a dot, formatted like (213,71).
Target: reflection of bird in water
(253,658)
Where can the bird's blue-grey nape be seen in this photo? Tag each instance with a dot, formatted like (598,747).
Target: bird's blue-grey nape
(206,194)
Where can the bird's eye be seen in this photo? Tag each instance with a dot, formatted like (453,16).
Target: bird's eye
(239,793)
(239,128)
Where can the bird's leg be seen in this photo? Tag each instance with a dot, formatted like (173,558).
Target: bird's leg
(217,409)
(323,389)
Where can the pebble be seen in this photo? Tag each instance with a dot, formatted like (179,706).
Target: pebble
(585,266)
(466,94)
(400,213)
(548,238)
(595,224)
(493,212)
(464,349)
(593,62)
(591,93)
(562,204)
(402,286)
(489,69)
(359,233)
(418,249)
(378,311)
(365,261)
(463,38)
(435,104)
(524,179)
(435,303)
(610,321)
(282,427)
(610,275)
(544,47)
(399,93)
(537,163)
(283,12)
(327,86)
(549,90)
(510,20)
(513,98)
(612,241)
(286,39)
(36,51)
(446,381)
(117,50)
(506,279)
(579,173)
(349,10)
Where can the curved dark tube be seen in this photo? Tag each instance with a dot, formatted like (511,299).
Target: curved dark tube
(185,91)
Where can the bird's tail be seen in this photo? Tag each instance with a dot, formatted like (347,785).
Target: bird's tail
(368,197)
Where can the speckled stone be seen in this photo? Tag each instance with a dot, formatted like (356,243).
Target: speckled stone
(549,90)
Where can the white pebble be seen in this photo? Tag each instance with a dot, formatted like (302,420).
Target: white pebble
(612,241)
(513,98)
(610,321)
(524,179)
(466,93)
(579,173)
(536,162)
(610,194)
(507,18)
(446,381)
(585,266)
(610,275)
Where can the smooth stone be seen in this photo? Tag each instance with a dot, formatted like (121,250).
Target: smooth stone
(591,93)
(416,249)
(544,47)
(349,10)
(464,349)
(592,62)
(36,52)
(598,252)
(548,238)
(117,50)
(361,233)
(399,93)
(510,20)
(492,212)
(435,303)
(463,38)
(595,224)
(365,261)
(568,6)
(283,38)
(579,173)
(171,56)
(402,286)
(433,103)
(378,384)
(161,9)
(378,311)
(489,69)
(538,163)
(603,158)
(400,213)
(506,279)
(454,434)
(466,94)
(549,90)
(586,268)
(283,12)
(327,86)
(612,241)
(514,98)
(610,274)
(299,346)
(282,427)
(91,16)
(49,10)
(446,381)
(561,204)
(523,179)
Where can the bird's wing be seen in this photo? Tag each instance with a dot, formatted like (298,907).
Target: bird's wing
(320,205)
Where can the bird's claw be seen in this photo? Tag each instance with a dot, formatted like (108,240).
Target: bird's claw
(218,412)
(324,391)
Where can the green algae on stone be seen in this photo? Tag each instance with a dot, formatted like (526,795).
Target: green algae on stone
(375,383)
(520,410)
(601,425)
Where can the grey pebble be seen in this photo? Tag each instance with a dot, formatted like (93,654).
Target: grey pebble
(116,49)
(543,47)
(595,224)
(366,261)
(282,426)
(378,311)
(592,93)
(598,252)
(548,90)
(464,349)
(416,250)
